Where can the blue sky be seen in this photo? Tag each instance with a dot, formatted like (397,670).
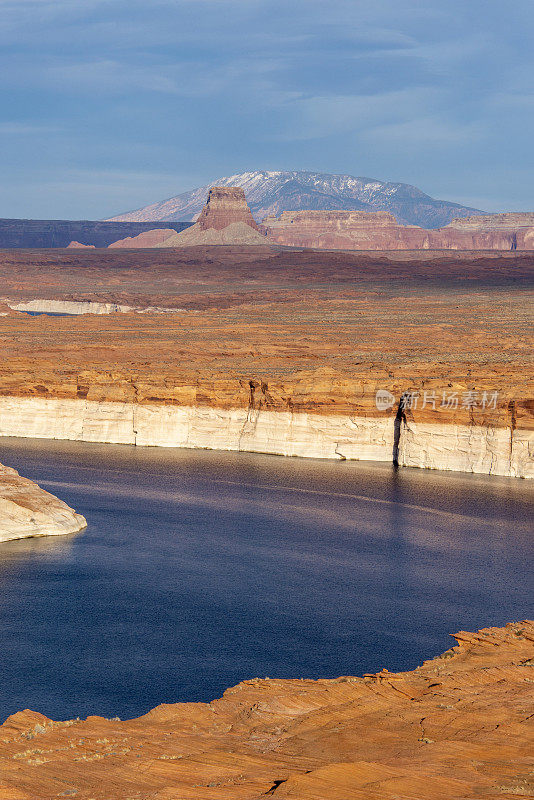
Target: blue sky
(109,104)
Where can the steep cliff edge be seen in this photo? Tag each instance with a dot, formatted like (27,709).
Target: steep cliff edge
(27,510)
(459,726)
(225,219)
(279,353)
(361,230)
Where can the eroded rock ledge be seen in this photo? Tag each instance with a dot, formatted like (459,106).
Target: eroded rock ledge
(459,726)
(26,510)
(459,446)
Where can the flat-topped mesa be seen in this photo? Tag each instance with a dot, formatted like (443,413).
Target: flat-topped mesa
(225,206)
(379,230)
(488,222)
(351,230)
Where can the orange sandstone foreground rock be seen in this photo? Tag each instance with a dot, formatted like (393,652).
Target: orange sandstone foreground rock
(459,726)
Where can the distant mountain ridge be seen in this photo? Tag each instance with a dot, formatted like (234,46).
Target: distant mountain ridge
(272,193)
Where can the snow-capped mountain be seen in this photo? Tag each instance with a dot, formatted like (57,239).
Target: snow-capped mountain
(274,192)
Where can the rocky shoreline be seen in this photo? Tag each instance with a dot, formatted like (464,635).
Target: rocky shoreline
(26,510)
(455,727)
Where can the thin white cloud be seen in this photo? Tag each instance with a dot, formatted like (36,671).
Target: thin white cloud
(425,131)
(327,115)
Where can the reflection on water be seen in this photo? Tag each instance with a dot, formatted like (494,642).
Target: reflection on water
(41,547)
(199,569)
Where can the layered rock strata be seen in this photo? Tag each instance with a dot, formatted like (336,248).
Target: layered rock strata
(360,230)
(225,219)
(458,726)
(278,352)
(462,448)
(26,510)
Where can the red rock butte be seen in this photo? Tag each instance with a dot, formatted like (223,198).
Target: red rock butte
(225,206)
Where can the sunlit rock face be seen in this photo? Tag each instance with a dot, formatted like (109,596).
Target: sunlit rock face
(361,230)
(455,727)
(344,230)
(225,205)
(27,510)
(460,448)
(225,219)
(145,239)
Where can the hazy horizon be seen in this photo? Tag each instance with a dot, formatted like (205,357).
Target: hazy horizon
(111,106)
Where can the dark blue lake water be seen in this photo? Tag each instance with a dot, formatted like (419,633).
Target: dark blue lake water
(199,569)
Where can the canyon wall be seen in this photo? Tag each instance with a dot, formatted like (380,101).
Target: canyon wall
(361,230)
(26,510)
(52,233)
(461,448)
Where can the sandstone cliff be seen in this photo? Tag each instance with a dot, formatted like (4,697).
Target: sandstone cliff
(359,230)
(225,219)
(279,352)
(459,726)
(492,222)
(27,510)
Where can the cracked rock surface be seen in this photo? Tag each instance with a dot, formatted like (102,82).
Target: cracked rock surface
(459,726)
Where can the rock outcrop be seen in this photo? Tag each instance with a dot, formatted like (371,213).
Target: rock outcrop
(225,219)
(26,510)
(492,222)
(344,230)
(225,206)
(479,448)
(361,230)
(69,307)
(459,726)
(57,233)
(78,245)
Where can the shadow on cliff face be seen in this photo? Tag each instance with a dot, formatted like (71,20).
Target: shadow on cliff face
(400,420)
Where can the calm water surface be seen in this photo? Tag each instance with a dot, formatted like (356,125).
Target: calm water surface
(199,569)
